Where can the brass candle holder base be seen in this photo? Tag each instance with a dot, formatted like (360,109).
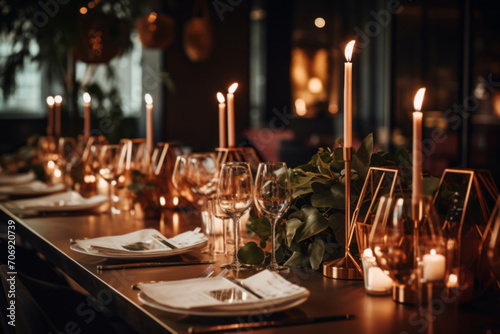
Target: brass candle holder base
(343,268)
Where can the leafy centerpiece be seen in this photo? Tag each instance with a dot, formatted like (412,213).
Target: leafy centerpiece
(313,229)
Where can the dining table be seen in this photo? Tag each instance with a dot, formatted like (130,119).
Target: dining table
(357,312)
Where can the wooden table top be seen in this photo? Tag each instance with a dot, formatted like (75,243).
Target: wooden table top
(51,234)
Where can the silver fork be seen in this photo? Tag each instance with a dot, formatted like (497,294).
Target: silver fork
(207,273)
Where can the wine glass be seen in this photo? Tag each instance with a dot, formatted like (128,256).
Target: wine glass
(68,156)
(202,170)
(234,196)
(109,162)
(272,196)
(178,175)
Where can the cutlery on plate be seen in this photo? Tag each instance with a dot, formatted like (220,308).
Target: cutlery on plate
(209,272)
(163,241)
(267,324)
(243,286)
(152,264)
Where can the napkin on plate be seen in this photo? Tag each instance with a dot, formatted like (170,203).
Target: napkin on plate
(147,241)
(19,178)
(69,200)
(262,287)
(30,188)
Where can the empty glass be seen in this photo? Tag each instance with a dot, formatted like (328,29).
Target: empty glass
(234,196)
(272,197)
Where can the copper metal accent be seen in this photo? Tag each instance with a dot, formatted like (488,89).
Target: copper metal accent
(243,154)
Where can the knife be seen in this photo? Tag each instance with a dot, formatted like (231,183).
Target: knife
(152,264)
(268,324)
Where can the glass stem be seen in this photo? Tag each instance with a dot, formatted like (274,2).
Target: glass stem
(273,242)
(236,261)
(111,200)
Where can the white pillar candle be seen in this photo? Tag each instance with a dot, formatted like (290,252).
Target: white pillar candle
(86,118)
(149,123)
(378,280)
(57,118)
(230,114)
(50,120)
(417,148)
(222,121)
(348,95)
(434,266)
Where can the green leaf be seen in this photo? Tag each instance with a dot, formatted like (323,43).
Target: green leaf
(314,223)
(430,185)
(135,187)
(292,225)
(331,197)
(361,159)
(403,157)
(315,253)
(262,243)
(260,226)
(297,260)
(337,224)
(251,254)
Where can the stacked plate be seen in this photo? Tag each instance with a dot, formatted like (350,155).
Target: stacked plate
(264,292)
(142,244)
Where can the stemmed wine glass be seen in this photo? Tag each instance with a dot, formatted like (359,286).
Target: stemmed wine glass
(272,196)
(234,196)
(109,162)
(68,156)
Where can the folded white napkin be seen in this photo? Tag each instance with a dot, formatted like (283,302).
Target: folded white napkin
(147,241)
(61,201)
(217,291)
(17,178)
(33,187)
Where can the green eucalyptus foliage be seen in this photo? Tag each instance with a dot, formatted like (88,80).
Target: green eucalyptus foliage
(313,229)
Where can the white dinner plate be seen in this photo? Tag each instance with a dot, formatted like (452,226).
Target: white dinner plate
(262,306)
(16,179)
(66,201)
(112,247)
(137,256)
(34,188)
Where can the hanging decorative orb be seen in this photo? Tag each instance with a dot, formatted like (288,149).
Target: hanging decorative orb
(100,38)
(198,39)
(156,31)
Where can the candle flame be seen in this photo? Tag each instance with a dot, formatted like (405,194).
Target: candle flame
(148,99)
(152,17)
(86,97)
(433,252)
(50,101)
(58,99)
(233,88)
(419,99)
(348,50)
(220,97)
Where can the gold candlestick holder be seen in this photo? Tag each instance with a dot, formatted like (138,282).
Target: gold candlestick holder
(346,267)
